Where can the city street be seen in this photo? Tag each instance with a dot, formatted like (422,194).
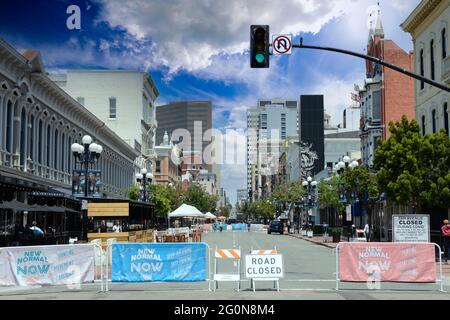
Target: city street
(309,275)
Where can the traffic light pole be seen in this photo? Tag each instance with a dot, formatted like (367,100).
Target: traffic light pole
(376,60)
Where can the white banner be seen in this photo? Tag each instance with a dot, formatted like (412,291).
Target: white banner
(411,228)
(46,265)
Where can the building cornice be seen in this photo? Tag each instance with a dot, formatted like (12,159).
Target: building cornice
(420,13)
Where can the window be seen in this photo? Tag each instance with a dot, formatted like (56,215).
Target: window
(444,43)
(422,70)
(446,118)
(158,166)
(434,120)
(9,119)
(55,146)
(40,142)
(330,165)
(423,125)
(80,100)
(432,59)
(112,108)
(376,105)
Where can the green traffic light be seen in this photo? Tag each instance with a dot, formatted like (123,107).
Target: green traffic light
(260,57)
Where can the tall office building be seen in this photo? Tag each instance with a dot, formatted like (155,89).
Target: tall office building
(269,124)
(193,116)
(312,128)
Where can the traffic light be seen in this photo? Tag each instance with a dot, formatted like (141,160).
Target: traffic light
(259,46)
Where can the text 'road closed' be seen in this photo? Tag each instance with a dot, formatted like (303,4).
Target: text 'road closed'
(264,266)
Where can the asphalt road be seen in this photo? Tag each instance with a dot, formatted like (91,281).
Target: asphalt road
(309,275)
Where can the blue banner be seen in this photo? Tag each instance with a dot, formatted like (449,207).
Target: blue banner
(159,262)
(239,226)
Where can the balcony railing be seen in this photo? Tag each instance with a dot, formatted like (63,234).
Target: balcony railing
(446,70)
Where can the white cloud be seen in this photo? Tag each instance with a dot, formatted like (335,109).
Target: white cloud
(188,34)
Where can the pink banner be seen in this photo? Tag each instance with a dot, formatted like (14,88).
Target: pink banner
(387,262)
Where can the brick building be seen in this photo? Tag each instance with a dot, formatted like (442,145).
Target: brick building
(387,95)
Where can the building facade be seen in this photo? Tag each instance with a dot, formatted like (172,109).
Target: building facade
(268,125)
(187,118)
(312,126)
(387,95)
(167,165)
(429,26)
(39,122)
(123,99)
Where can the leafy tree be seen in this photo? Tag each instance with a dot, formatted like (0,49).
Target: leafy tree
(414,169)
(196,196)
(329,194)
(263,209)
(359,183)
(224,211)
(288,192)
(133,192)
(161,200)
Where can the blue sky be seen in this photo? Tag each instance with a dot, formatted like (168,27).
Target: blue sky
(198,49)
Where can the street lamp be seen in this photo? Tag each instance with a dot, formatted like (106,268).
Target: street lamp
(309,201)
(86,154)
(142,179)
(341,167)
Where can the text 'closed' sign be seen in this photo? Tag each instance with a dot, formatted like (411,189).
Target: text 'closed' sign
(411,228)
(264,266)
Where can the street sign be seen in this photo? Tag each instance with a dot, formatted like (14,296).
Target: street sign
(264,266)
(348,211)
(282,44)
(411,228)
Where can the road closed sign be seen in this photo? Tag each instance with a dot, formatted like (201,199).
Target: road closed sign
(264,266)
(411,228)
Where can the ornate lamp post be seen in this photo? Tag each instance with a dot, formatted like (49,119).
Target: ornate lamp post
(309,201)
(143,179)
(86,154)
(341,167)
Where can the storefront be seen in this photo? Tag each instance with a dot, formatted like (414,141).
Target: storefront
(121,219)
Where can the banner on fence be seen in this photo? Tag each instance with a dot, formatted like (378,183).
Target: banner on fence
(387,262)
(50,265)
(150,262)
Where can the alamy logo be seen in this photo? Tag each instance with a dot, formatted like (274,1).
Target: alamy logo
(74,20)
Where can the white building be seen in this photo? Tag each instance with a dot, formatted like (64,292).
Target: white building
(268,126)
(123,100)
(38,124)
(208,181)
(429,25)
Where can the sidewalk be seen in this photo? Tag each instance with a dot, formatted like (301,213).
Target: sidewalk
(316,240)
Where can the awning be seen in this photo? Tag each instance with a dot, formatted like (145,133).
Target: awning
(20,206)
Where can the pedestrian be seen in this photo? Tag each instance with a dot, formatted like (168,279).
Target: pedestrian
(248,226)
(367,232)
(446,236)
(37,232)
(116,228)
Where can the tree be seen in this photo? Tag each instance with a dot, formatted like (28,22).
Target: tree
(414,169)
(224,211)
(196,196)
(133,192)
(288,192)
(263,209)
(161,200)
(329,194)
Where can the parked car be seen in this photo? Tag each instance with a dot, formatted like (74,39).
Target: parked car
(275,226)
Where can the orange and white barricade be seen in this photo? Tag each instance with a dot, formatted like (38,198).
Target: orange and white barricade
(227,254)
(276,281)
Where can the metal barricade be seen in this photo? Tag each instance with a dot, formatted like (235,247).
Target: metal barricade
(276,281)
(439,280)
(67,269)
(108,278)
(230,254)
